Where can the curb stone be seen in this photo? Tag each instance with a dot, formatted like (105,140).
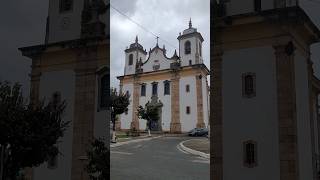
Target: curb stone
(192,151)
(133,141)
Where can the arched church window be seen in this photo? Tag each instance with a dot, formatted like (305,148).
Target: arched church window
(104,91)
(166,87)
(154,89)
(187,47)
(103,88)
(130,59)
(143,90)
(249,85)
(250,154)
(65,5)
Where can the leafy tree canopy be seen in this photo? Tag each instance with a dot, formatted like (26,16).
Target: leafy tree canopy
(29,132)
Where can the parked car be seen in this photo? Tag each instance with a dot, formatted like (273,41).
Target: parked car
(199,132)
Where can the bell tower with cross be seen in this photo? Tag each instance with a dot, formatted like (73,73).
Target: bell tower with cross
(190,45)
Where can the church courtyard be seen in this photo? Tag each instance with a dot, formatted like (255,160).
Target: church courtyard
(157,159)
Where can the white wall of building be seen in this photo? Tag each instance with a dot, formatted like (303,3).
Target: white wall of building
(188,121)
(156,54)
(303,117)
(73,29)
(126,118)
(166,101)
(63,82)
(250,119)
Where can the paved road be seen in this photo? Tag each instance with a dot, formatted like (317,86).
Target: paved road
(157,159)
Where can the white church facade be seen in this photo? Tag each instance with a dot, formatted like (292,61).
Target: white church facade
(265,110)
(73,65)
(178,84)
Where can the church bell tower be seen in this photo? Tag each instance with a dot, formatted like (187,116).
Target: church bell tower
(74,19)
(263,116)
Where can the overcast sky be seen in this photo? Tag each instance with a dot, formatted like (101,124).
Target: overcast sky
(23,24)
(165,18)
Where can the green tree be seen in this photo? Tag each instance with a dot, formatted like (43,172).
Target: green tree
(149,113)
(98,165)
(119,105)
(28,132)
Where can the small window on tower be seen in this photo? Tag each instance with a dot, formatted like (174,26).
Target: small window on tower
(130,59)
(250,154)
(187,88)
(143,90)
(187,47)
(188,109)
(248,85)
(167,87)
(104,91)
(66,5)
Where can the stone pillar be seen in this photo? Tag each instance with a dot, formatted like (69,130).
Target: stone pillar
(175,125)
(135,103)
(312,101)
(34,97)
(200,120)
(286,98)
(216,116)
(84,110)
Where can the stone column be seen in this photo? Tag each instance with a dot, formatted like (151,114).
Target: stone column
(84,110)
(312,101)
(34,97)
(200,120)
(135,103)
(286,98)
(216,116)
(175,125)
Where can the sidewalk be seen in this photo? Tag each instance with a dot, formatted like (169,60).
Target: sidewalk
(198,147)
(202,145)
(142,137)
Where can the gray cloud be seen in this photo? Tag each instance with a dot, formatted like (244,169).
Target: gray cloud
(22,24)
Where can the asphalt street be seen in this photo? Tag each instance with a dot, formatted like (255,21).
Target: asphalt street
(157,159)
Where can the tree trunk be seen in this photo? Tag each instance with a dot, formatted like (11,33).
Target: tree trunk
(149,128)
